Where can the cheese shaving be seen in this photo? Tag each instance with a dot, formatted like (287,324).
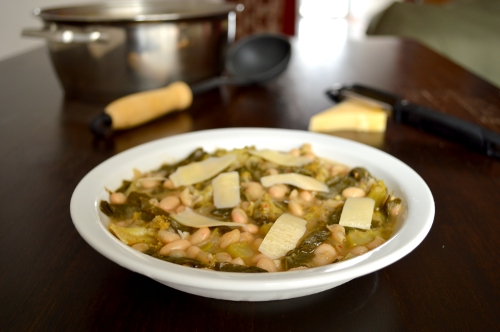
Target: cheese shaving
(283,236)
(294,179)
(282,159)
(200,171)
(357,212)
(226,188)
(192,219)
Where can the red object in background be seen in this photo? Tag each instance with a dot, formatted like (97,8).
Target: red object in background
(289,18)
(260,16)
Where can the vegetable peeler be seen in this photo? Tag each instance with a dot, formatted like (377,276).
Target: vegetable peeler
(425,119)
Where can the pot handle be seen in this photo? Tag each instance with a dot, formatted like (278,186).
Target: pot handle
(66,36)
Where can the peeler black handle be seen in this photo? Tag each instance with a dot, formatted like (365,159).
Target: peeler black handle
(425,119)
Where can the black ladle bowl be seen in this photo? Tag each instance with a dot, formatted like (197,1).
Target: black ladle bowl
(254,59)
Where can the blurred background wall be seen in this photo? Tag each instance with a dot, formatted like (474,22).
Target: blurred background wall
(259,16)
(16,15)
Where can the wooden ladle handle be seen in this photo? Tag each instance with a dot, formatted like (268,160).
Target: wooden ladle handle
(138,108)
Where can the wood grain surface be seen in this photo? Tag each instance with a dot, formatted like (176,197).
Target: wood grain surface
(52,280)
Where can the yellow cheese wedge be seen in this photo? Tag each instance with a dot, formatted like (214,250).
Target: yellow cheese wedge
(200,171)
(350,115)
(192,219)
(357,212)
(294,179)
(282,159)
(283,236)
(226,190)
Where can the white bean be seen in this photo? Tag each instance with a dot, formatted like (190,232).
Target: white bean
(256,244)
(359,250)
(252,229)
(396,210)
(142,247)
(177,253)
(229,238)
(338,233)
(205,257)
(324,254)
(298,268)
(200,235)
(169,203)
(149,184)
(272,171)
(239,216)
(167,237)
(266,263)
(256,258)
(186,197)
(254,191)
(337,169)
(177,244)
(339,237)
(377,241)
(117,198)
(296,208)
(169,184)
(125,223)
(306,195)
(180,208)
(245,205)
(223,257)
(331,203)
(278,191)
(238,261)
(353,192)
(246,237)
(193,251)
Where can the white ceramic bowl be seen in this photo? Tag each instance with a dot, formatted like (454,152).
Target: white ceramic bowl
(406,184)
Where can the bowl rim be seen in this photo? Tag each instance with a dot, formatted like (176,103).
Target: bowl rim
(86,218)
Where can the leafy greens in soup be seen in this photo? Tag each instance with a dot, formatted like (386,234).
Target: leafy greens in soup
(248,210)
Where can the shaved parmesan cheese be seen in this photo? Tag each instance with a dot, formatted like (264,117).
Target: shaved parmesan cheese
(357,212)
(189,218)
(200,171)
(294,179)
(226,190)
(283,236)
(281,158)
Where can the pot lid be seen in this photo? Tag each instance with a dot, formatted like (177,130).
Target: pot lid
(137,11)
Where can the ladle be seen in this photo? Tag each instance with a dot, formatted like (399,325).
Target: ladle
(254,59)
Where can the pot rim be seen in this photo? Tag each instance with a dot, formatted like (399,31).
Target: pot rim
(137,11)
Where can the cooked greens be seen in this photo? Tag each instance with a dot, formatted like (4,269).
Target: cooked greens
(169,213)
(301,256)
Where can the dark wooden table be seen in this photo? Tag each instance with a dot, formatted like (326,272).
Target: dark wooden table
(51,280)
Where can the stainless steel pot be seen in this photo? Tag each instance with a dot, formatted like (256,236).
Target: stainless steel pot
(104,51)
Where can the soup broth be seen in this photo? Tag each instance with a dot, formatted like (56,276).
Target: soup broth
(249,210)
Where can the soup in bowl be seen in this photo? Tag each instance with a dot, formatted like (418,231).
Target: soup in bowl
(253,214)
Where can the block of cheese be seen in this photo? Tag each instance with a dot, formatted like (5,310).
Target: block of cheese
(357,212)
(350,115)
